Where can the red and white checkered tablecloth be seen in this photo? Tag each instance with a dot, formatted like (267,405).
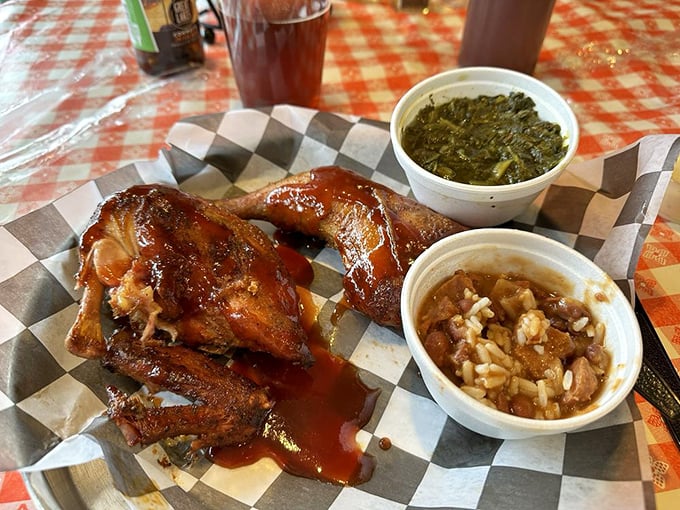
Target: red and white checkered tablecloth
(74,106)
(657,281)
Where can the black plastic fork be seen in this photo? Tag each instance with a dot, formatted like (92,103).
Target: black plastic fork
(658,381)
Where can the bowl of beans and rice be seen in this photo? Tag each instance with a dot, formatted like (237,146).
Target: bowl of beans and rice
(517,335)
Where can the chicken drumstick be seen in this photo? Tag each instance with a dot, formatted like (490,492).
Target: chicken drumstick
(377,231)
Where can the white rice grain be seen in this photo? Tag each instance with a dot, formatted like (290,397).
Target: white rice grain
(492,381)
(496,353)
(488,403)
(474,323)
(542,393)
(521,337)
(477,307)
(483,354)
(579,324)
(482,368)
(599,333)
(468,372)
(497,369)
(474,391)
(527,387)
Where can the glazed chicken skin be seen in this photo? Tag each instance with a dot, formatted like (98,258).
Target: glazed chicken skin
(377,231)
(181,268)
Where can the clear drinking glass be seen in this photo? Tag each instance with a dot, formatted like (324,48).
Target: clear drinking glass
(277,49)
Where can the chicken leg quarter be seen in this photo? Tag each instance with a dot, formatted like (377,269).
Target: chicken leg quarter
(377,231)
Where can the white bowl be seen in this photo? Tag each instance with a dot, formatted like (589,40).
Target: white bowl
(556,267)
(472,205)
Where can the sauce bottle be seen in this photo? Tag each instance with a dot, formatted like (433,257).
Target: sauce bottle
(165,35)
(505,33)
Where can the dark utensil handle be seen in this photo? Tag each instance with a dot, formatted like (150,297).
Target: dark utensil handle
(654,351)
(658,381)
(655,390)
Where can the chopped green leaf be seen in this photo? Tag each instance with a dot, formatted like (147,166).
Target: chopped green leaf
(484,140)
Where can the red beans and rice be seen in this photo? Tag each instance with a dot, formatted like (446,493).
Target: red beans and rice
(513,345)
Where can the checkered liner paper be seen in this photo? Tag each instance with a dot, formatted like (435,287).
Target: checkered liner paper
(51,403)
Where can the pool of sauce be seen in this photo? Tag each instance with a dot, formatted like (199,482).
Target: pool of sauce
(311,430)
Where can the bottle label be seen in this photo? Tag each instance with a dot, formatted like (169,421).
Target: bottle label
(141,33)
(148,16)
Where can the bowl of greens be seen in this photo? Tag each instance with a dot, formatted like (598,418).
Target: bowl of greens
(479,144)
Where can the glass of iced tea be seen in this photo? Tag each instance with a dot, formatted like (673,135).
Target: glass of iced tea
(277,49)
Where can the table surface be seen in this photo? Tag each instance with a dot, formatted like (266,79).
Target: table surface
(74,106)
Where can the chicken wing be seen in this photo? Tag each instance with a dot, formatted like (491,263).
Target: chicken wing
(377,231)
(227,408)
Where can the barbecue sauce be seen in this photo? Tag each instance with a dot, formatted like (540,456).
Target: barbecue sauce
(297,265)
(311,430)
(382,253)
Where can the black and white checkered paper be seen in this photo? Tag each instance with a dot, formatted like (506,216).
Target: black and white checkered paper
(51,403)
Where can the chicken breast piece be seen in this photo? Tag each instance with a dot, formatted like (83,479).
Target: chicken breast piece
(178,265)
